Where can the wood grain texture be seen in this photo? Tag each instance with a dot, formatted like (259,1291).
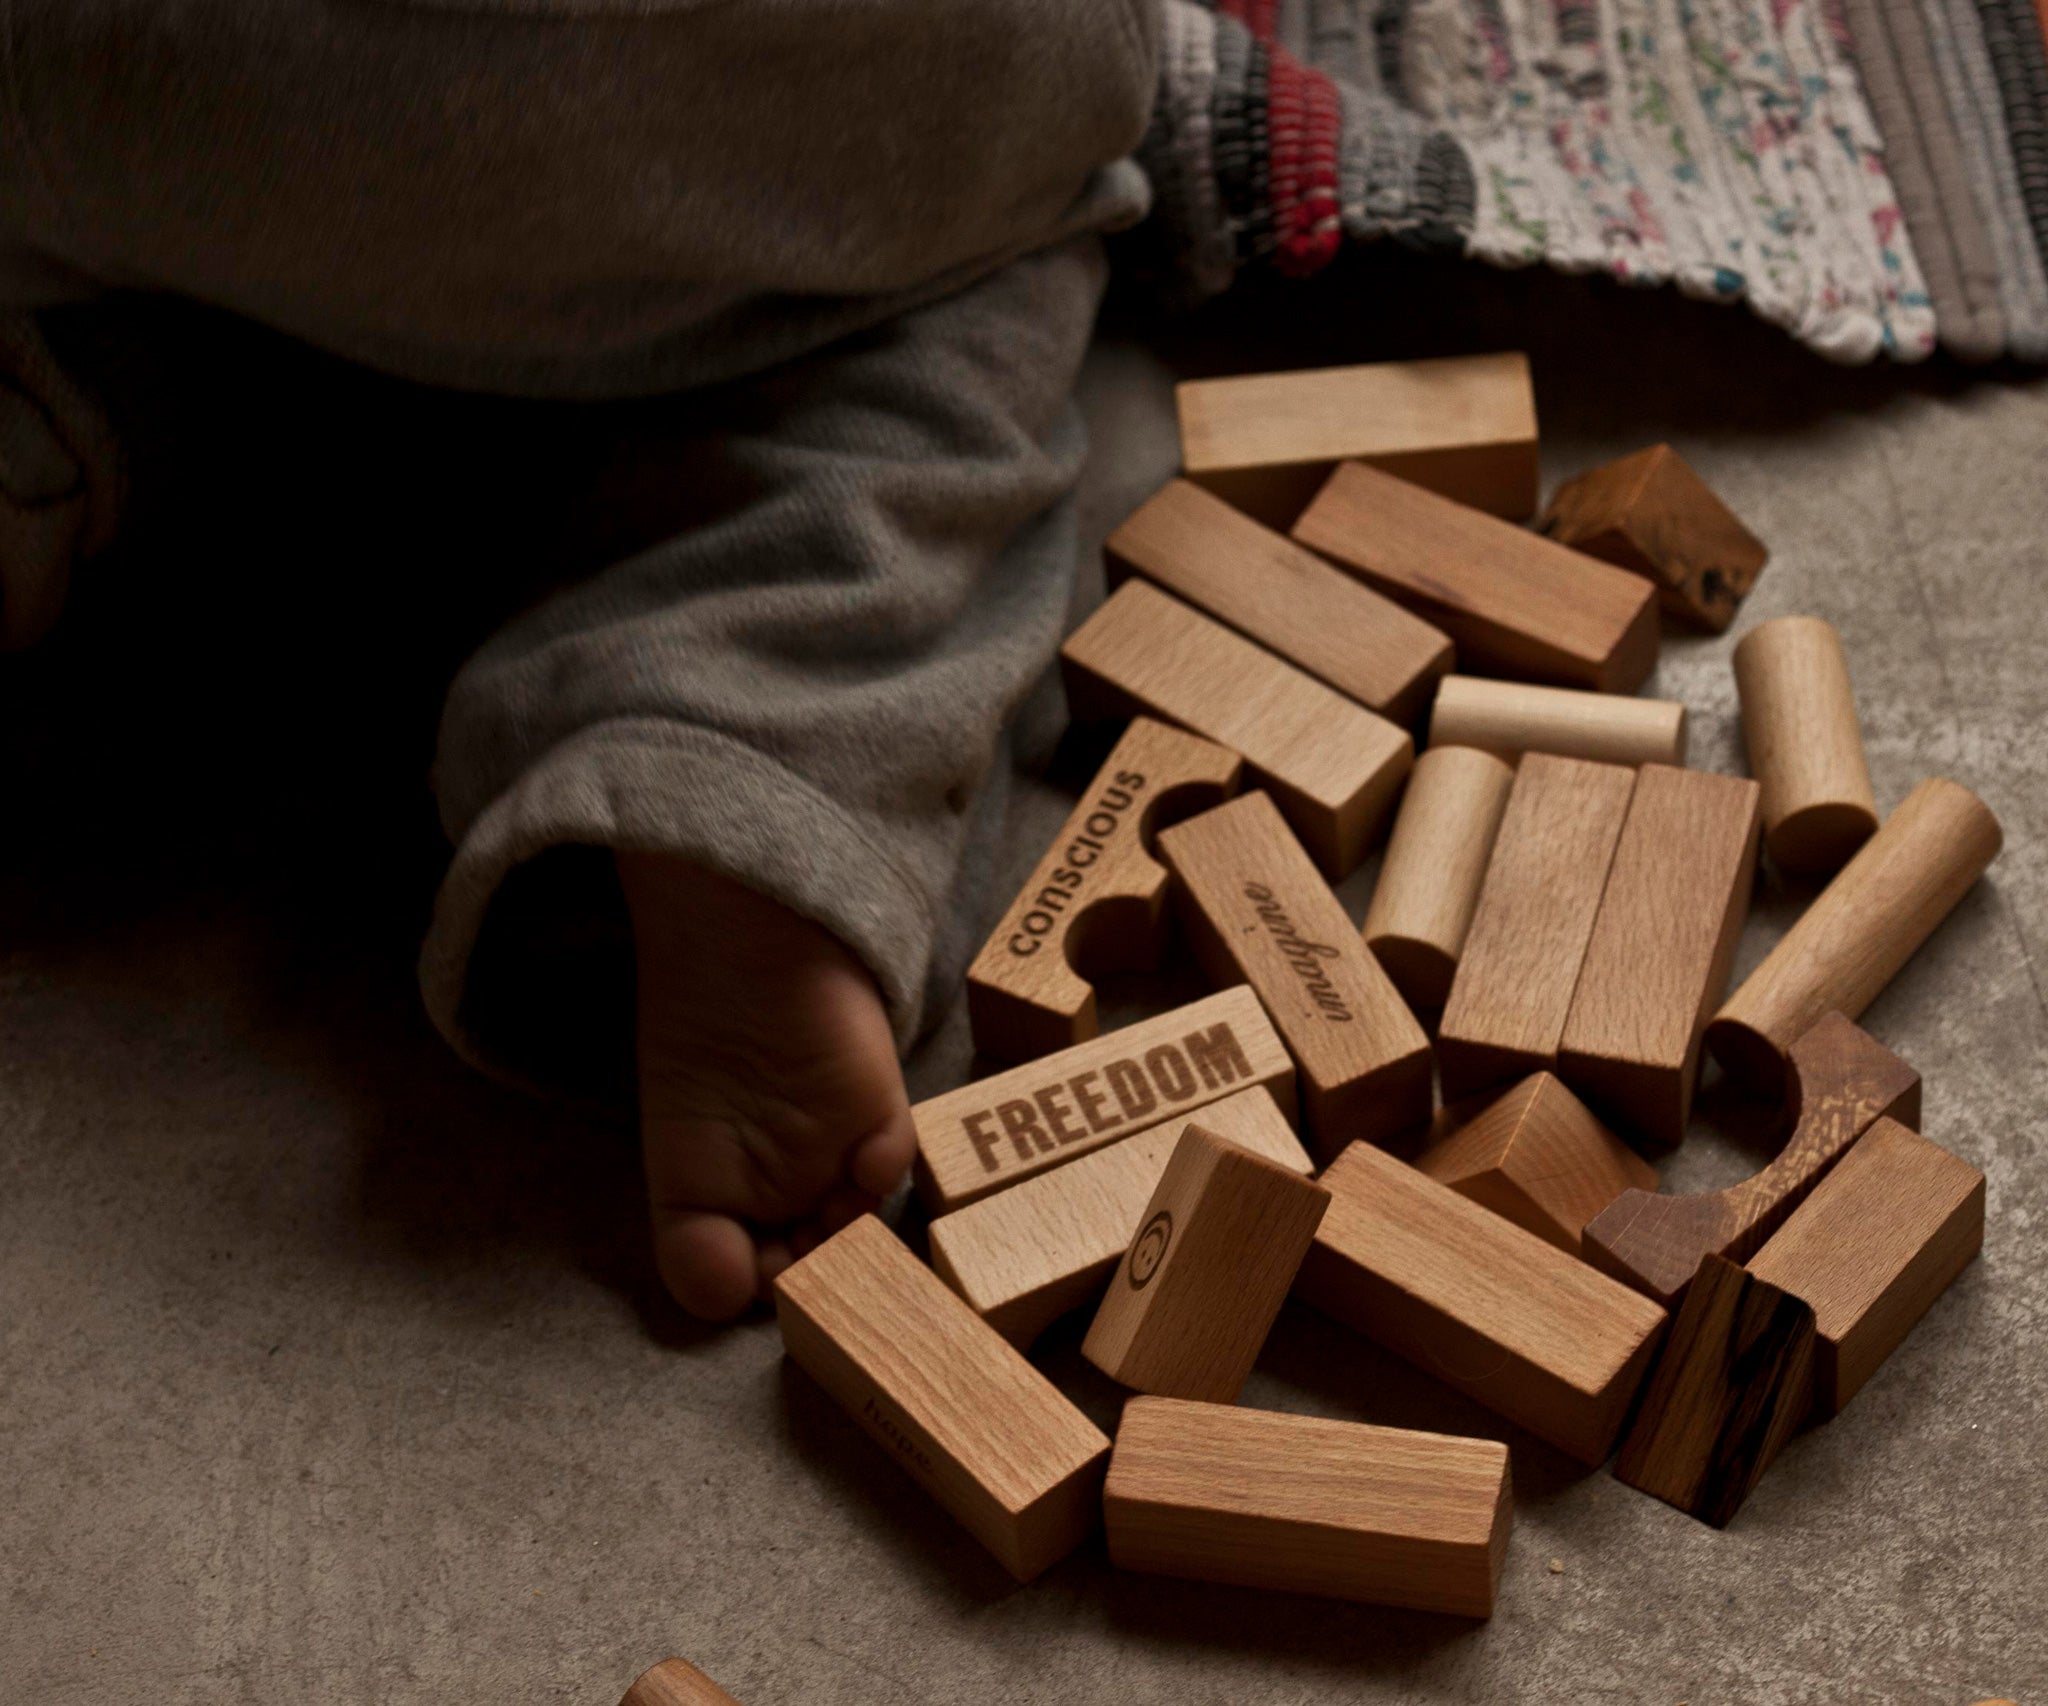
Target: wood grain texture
(1880,1238)
(1256,911)
(1514,603)
(1535,1155)
(1732,1386)
(1465,427)
(1216,1251)
(1436,858)
(1026,1256)
(1842,1081)
(1289,600)
(965,1415)
(1513,989)
(1484,1306)
(1333,767)
(1865,925)
(1805,744)
(1651,514)
(1662,946)
(1509,718)
(674,1682)
(1306,1505)
(1097,901)
(998,1130)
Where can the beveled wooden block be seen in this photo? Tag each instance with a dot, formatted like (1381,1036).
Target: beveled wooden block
(1027,1255)
(937,1387)
(674,1682)
(1097,897)
(1514,603)
(1306,1505)
(1333,767)
(1484,1306)
(1463,426)
(1256,910)
(1509,718)
(1880,1238)
(1216,1250)
(998,1130)
(1288,599)
(1536,1155)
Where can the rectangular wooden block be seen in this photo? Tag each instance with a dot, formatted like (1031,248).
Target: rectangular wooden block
(1217,1248)
(1513,602)
(971,1421)
(1465,427)
(1481,1304)
(998,1130)
(1513,990)
(1333,767)
(1662,946)
(1288,599)
(1879,1240)
(1025,1256)
(1306,1505)
(1256,910)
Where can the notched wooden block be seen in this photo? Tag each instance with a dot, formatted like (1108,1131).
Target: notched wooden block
(959,1409)
(1651,514)
(1216,1250)
(1306,1505)
(1731,1388)
(674,1682)
(1097,901)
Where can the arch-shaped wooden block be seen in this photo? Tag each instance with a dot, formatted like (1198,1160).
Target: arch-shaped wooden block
(674,1682)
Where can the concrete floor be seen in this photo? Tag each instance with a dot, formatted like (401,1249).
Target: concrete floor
(329,1372)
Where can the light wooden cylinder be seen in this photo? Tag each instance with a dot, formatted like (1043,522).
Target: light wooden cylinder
(1885,902)
(1509,718)
(1805,747)
(1436,860)
(674,1682)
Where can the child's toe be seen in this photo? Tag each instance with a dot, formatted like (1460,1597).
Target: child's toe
(707,1261)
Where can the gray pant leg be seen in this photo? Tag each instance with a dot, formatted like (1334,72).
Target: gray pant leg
(807,693)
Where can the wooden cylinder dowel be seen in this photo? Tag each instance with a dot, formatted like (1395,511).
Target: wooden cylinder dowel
(1429,882)
(674,1682)
(1509,718)
(1882,905)
(1805,748)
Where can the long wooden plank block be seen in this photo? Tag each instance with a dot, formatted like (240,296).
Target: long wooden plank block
(1307,1505)
(1484,1306)
(1333,767)
(996,1131)
(939,1389)
(1513,602)
(1257,911)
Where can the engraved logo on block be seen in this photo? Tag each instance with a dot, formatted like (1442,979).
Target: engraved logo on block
(1150,1249)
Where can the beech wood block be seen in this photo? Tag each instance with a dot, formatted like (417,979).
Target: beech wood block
(1216,1251)
(1651,514)
(1302,1504)
(1478,1302)
(1805,744)
(1333,767)
(1509,718)
(1662,946)
(1256,911)
(1536,1155)
(1513,602)
(1465,427)
(1842,1081)
(998,1130)
(1024,1257)
(1732,1386)
(1289,600)
(1513,989)
(674,1682)
(1879,1240)
(940,1390)
(1097,901)
(1863,926)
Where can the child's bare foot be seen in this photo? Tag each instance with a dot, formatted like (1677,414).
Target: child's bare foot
(772,1109)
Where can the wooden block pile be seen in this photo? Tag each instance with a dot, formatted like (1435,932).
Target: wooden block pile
(1547,952)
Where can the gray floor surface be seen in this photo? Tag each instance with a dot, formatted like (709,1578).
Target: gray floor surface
(331,1373)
